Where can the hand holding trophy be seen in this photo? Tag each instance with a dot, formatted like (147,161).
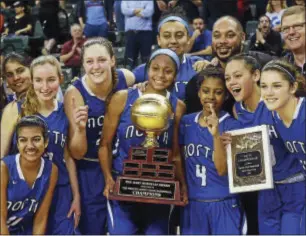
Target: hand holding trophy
(148,173)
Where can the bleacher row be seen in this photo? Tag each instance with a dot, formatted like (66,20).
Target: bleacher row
(32,45)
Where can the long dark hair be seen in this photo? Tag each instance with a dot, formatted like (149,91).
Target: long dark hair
(3,99)
(15,57)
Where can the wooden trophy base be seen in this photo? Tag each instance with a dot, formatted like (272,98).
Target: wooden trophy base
(148,176)
(147,191)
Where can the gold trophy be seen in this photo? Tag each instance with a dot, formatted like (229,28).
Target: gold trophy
(148,173)
(151,113)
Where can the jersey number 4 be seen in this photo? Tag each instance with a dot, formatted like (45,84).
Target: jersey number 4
(201,173)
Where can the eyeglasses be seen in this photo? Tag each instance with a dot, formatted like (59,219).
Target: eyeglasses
(296,27)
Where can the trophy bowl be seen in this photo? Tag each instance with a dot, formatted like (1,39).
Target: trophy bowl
(151,113)
(148,174)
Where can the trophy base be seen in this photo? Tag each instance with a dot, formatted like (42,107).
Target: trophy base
(154,191)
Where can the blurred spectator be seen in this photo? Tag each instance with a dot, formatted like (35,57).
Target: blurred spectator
(21,24)
(48,17)
(299,2)
(261,6)
(275,10)
(6,4)
(200,41)
(2,5)
(71,50)
(62,4)
(250,10)
(214,9)
(190,7)
(9,3)
(109,8)
(160,6)
(92,18)
(119,16)
(1,23)
(266,40)
(138,29)
(293,30)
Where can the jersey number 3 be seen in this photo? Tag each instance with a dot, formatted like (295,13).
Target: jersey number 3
(201,173)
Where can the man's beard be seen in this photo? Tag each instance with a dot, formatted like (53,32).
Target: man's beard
(234,52)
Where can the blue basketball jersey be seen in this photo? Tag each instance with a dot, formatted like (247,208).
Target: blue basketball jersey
(58,125)
(23,200)
(58,129)
(294,136)
(202,178)
(283,165)
(129,136)
(96,112)
(89,171)
(121,80)
(185,73)
(13,148)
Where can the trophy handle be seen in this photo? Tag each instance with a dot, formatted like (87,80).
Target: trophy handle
(150,140)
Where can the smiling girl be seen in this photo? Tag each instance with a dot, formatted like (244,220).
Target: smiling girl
(16,73)
(211,209)
(173,33)
(41,100)
(280,83)
(275,206)
(127,217)
(85,105)
(27,181)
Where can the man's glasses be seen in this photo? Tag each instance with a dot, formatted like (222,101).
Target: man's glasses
(296,27)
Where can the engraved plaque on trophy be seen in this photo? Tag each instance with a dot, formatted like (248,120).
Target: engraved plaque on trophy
(249,160)
(148,173)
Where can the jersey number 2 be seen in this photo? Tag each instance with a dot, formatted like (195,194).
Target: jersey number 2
(201,173)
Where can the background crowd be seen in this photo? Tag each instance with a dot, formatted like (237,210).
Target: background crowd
(46,26)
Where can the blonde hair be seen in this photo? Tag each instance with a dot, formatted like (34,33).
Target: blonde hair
(31,103)
(270,9)
(295,10)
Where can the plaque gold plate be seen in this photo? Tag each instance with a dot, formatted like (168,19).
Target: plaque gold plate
(249,160)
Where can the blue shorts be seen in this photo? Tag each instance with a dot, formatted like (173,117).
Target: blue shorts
(93,203)
(24,229)
(220,217)
(58,223)
(280,210)
(137,218)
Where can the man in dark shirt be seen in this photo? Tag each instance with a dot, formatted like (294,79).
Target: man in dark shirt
(21,24)
(227,41)
(266,40)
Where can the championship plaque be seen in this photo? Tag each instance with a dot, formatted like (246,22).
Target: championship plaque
(249,160)
(148,173)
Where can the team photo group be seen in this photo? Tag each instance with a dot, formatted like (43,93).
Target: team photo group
(206,135)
